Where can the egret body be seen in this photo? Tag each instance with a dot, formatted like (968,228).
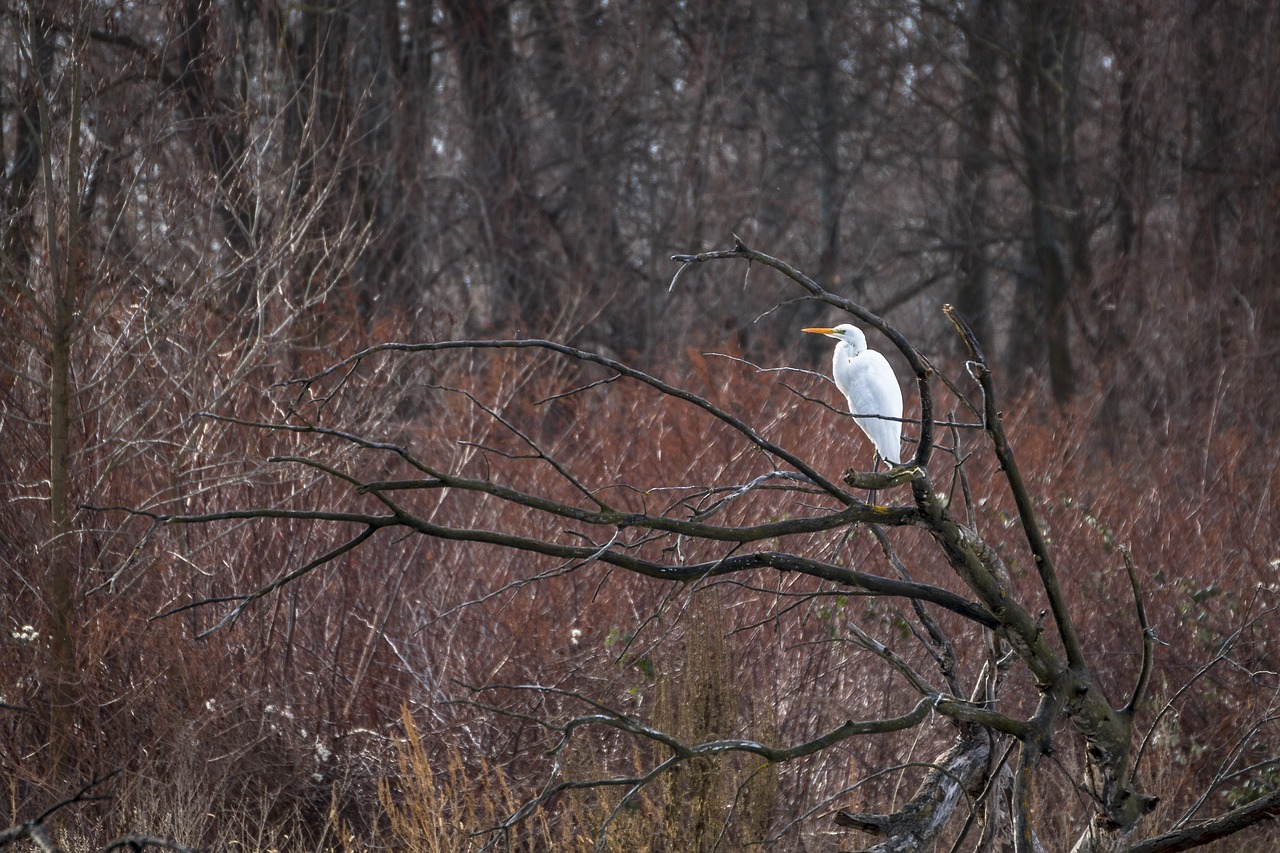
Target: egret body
(870,387)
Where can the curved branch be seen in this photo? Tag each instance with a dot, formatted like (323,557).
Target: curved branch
(682,753)
(288,577)
(665,388)
(771,754)
(782,562)
(1148,637)
(589,494)
(967,712)
(851,514)
(1026,512)
(1264,808)
(855,510)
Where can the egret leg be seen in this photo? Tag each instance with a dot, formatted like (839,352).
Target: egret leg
(875,466)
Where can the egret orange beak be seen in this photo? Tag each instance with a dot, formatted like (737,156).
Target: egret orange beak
(819,331)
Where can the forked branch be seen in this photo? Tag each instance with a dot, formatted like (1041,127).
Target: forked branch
(680,543)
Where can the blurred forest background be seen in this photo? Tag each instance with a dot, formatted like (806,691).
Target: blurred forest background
(203,198)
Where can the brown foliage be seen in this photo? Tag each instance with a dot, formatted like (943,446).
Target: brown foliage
(299,697)
(266,188)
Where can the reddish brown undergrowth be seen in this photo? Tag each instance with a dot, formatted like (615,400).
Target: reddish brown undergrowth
(284,728)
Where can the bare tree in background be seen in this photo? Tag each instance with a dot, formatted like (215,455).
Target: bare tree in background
(144,279)
(534,162)
(975,159)
(1048,90)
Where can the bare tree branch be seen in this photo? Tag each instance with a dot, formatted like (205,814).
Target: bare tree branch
(1265,808)
(677,542)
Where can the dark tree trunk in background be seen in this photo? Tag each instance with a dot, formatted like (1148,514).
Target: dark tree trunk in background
(1047,91)
(491,78)
(972,210)
(216,133)
(25,145)
(580,199)
(67,308)
(1233,165)
(826,114)
(1119,295)
(824,103)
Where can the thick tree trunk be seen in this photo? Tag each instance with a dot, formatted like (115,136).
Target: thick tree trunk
(62,235)
(60,578)
(222,145)
(499,160)
(972,193)
(957,778)
(1046,92)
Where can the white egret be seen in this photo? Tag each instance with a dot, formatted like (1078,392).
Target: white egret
(870,387)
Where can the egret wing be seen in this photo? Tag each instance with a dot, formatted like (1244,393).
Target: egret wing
(871,388)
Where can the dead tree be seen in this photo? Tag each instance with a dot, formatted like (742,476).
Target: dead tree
(986,777)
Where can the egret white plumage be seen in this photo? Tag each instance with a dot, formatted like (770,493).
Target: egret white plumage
(870,387)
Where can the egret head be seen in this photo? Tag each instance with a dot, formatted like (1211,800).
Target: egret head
(846,332)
